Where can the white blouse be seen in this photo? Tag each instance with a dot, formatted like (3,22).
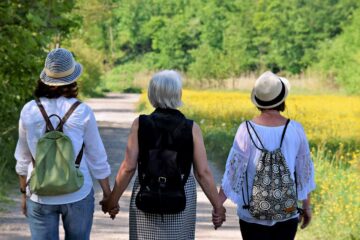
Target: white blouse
(244,156)
(80,127)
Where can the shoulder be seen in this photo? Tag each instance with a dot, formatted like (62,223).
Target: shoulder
(195,128)
(135,123)
(29,109)
(28,106)
(83,107)
(298,128)
(242,129)
(296,125)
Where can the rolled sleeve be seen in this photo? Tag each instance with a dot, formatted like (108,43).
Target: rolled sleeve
(95,151)
(22,152)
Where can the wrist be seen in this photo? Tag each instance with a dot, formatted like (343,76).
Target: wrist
(217,207)
(106,193)
(306,206)
(22,190)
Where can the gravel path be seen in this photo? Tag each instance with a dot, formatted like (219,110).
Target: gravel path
(115,114)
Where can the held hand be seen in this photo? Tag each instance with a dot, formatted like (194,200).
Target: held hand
(305,218)
(107,206)
(114,211)
(23,204)
(218,216)
(104,204)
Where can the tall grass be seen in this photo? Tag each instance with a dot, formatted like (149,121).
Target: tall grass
(332,124)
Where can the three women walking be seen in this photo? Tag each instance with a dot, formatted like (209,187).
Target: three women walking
(167,152)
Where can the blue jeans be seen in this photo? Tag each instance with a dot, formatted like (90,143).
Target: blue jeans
(77,219)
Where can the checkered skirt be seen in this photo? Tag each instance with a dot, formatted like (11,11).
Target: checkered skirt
(173,226)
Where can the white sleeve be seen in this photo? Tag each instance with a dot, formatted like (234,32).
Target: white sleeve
(22,152)
(94,150)
(304,167)
(236,165)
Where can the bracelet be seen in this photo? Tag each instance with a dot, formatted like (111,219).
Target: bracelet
(23,191)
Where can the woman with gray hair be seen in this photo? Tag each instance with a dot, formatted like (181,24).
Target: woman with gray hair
(164,146)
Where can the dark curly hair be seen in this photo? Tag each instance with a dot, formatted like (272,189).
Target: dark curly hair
(281,107)
(68,91)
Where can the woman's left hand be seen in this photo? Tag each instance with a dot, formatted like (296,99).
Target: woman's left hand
(108,207)
(305,218)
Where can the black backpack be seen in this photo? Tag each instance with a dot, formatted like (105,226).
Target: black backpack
(160,175)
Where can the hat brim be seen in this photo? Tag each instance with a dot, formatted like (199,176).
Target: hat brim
(64,80)
(287,88)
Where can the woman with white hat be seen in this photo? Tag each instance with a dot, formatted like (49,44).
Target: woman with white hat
(269,165)
(55,95)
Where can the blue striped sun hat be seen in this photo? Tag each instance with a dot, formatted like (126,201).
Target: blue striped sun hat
(60,68)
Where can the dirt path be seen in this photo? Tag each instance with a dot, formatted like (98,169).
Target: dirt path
(115,115)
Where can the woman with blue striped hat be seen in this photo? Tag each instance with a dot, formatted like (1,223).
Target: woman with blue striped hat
(55,182)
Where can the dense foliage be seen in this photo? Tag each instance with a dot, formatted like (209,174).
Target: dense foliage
(27,30)
(340,58)
(215,39)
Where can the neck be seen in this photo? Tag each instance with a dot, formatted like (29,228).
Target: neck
(270,113)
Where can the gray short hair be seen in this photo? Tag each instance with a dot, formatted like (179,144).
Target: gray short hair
(165,89)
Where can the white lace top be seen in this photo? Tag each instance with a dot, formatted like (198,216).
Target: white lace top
(244,156)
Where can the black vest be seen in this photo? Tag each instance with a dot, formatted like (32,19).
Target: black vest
(169,121)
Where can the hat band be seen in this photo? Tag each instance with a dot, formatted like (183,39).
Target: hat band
(59,74)
(276,100)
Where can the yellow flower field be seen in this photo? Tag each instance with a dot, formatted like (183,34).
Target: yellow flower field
(323,117)
(332,125)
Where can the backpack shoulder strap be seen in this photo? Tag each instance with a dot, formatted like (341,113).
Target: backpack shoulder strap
(67,115)
(79,156)
(49,126)
(60,128)
(257,136)
(283,133)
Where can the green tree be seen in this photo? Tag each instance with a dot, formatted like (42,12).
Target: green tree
(28,29)
(340,58)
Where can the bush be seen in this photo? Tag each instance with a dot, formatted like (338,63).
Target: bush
(340,59)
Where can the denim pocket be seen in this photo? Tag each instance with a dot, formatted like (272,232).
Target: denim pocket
(36,209)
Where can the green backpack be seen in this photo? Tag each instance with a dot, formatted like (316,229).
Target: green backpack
(56,171)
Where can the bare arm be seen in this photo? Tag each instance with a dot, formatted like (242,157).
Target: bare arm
(306,217)
(105,186)
(22,183)
(127,168)
(222,196)
(202,172)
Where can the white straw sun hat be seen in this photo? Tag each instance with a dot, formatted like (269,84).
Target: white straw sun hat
(270,90)
(60,68)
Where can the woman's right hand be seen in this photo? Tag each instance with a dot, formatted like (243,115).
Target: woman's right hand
(23,204)
(108,207)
